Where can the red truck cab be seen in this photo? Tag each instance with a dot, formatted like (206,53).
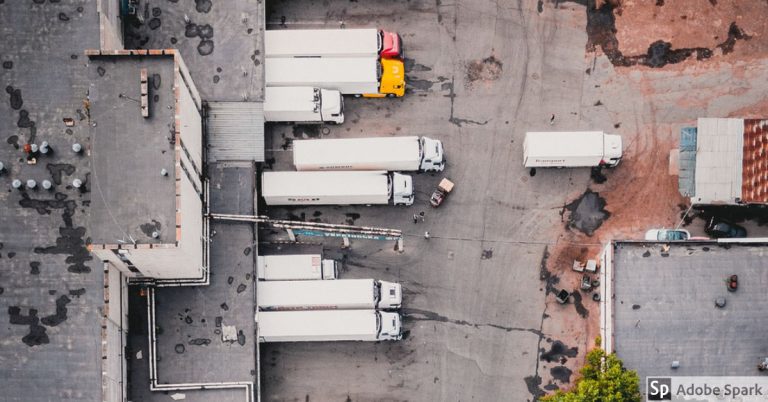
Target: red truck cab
(390,45)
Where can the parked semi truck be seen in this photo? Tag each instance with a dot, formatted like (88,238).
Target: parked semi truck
(303,105)
(336,188)
(361,76)
(295,267)
(379,153)
(571,149)
(342,294)
(328,325)
(332,43)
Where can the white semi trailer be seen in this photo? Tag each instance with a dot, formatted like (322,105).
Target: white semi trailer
(378,153)
(571,149)
(342,294)
(361,76)
(295,267)
(336,188)
(328,325)
(332,43)
(303,105)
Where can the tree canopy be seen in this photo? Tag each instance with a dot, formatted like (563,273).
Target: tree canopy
(603,379)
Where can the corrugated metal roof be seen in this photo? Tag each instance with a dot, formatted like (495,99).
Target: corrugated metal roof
(686,180)
(719,154)
(754,188)
(235,131)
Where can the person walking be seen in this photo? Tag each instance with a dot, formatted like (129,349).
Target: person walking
(426,235)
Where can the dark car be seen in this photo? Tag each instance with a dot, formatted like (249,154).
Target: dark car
(719,228)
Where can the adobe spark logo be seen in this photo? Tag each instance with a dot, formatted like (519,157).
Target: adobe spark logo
(658,388)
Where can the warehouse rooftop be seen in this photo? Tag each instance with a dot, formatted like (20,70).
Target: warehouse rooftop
(52,289)
(222,43)
(664,308)
(722,161)
(131,198)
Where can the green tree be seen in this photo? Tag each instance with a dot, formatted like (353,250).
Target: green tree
(603,379)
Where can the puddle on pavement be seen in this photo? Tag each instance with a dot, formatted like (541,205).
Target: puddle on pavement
(561,373)
(15,97)
(559,352)
(352,217)
(532,383)
(579,304)
(57,169)
(149,228)
(587,213)
(545,275)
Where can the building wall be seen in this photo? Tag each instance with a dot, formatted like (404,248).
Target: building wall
(160,261)
(168,263)
(108,255)
(184,258)
(190,124)
(114,333)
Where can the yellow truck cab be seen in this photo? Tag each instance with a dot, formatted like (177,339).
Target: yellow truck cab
(391,79)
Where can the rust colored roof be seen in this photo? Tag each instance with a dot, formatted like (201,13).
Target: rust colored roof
(754,173)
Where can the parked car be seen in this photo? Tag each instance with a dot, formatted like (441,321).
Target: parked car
(667,235)
(442,191)
(719,228)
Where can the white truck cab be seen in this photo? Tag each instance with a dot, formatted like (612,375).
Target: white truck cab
(613,150)
(390,295)
(432,159)
(332,106)
(390,326)
(401,187)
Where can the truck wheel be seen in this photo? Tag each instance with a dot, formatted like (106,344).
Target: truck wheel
(390,95)
(358,95)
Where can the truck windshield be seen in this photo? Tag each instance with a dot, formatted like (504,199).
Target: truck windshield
(380,41)
(376,291)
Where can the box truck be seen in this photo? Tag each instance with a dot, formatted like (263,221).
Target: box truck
(332,43)
(571,149)
(295,267)
(342,294)
(361,76)
(303,105)
(336,188)
(328,325)
(379,153)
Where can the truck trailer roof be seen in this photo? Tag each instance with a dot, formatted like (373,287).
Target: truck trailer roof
(317,295)
(317,324)
(308,71)
(555,144)
(395,153)
(291,99)
(365,187)
(321,42)
(289,267)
